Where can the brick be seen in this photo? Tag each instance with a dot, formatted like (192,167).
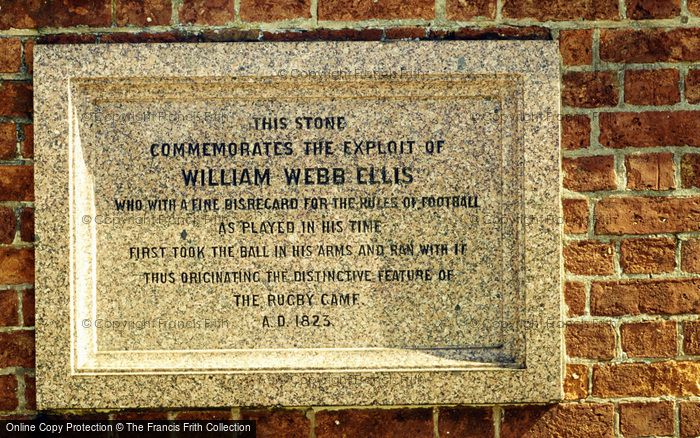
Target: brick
(589,174)
(279,423)
(10,55)
(9,308)
(16,99)
(575,215)
(571,420)
(466,422)
(16,265)
(648,256)
(589,257)
(8,393)
(271,10)
(8,225)
(214,12)
(493,33)
(340,10)
(28,311)
(650,297)
(652,87)
(646,419)
(647,215)
(576,46)
(405,33)
(562,9)
(17,349)
(690,170)
(67,38)
(143,13)
(29,392)
(694,8)
(38,14)
(16,183)
(26,227)
(667,378)
(590,341)
(691,337)
(28,141)
(460,10)
(692,86)
(29,55)
(690,255)
(8,141)
(650,9)
(229,35)
(650,172)
(689,419)
(206,415)
(325,35)
(148,37)
(649,129)
(650,45)
(575,298)
(589,89)
(575,132)
(375,423)
(576,382)
(649,339)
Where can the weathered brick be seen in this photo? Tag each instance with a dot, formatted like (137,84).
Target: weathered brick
(375,423)
(692,86)
(28,141)
(29,54)
(205,415)
(562,9)
(271,10)
(10,55)
(649,129)
(9,308)
(652,87)
(37,14)
(589,174)
(229,35)
(16,99)
(649,339)
(339,10)
(691,337)
(668,378)
(690,170)
(647,215)
(493,33)
(690,255)
(466,422)
(571,420)
(576,382)
(214,12)
(460,10)
(646,419)
(279,423)
(576,46)
(648,256)
(689,419)
(650,45)
(651,9)
(8,225)
(575,298)
(28,312)
(16,183)
(694,8)
(67,38)
(589,257)
(575,215)
(29,392)
(650,172)
(651,297)
(143,13)
(16,265)
(590,341)
(17,349)
(8,393)
(405,33)
(148,37)
(26,227)
(325,35)
(589,89)
(575,132)
(8,141)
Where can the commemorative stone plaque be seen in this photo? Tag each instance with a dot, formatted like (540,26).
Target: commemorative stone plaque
(297,224)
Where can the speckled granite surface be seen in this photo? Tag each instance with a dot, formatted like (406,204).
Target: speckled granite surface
(123,326)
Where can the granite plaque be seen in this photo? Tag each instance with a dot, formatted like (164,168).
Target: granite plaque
(297,224)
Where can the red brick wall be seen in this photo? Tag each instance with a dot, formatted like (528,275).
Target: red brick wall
(631,125)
